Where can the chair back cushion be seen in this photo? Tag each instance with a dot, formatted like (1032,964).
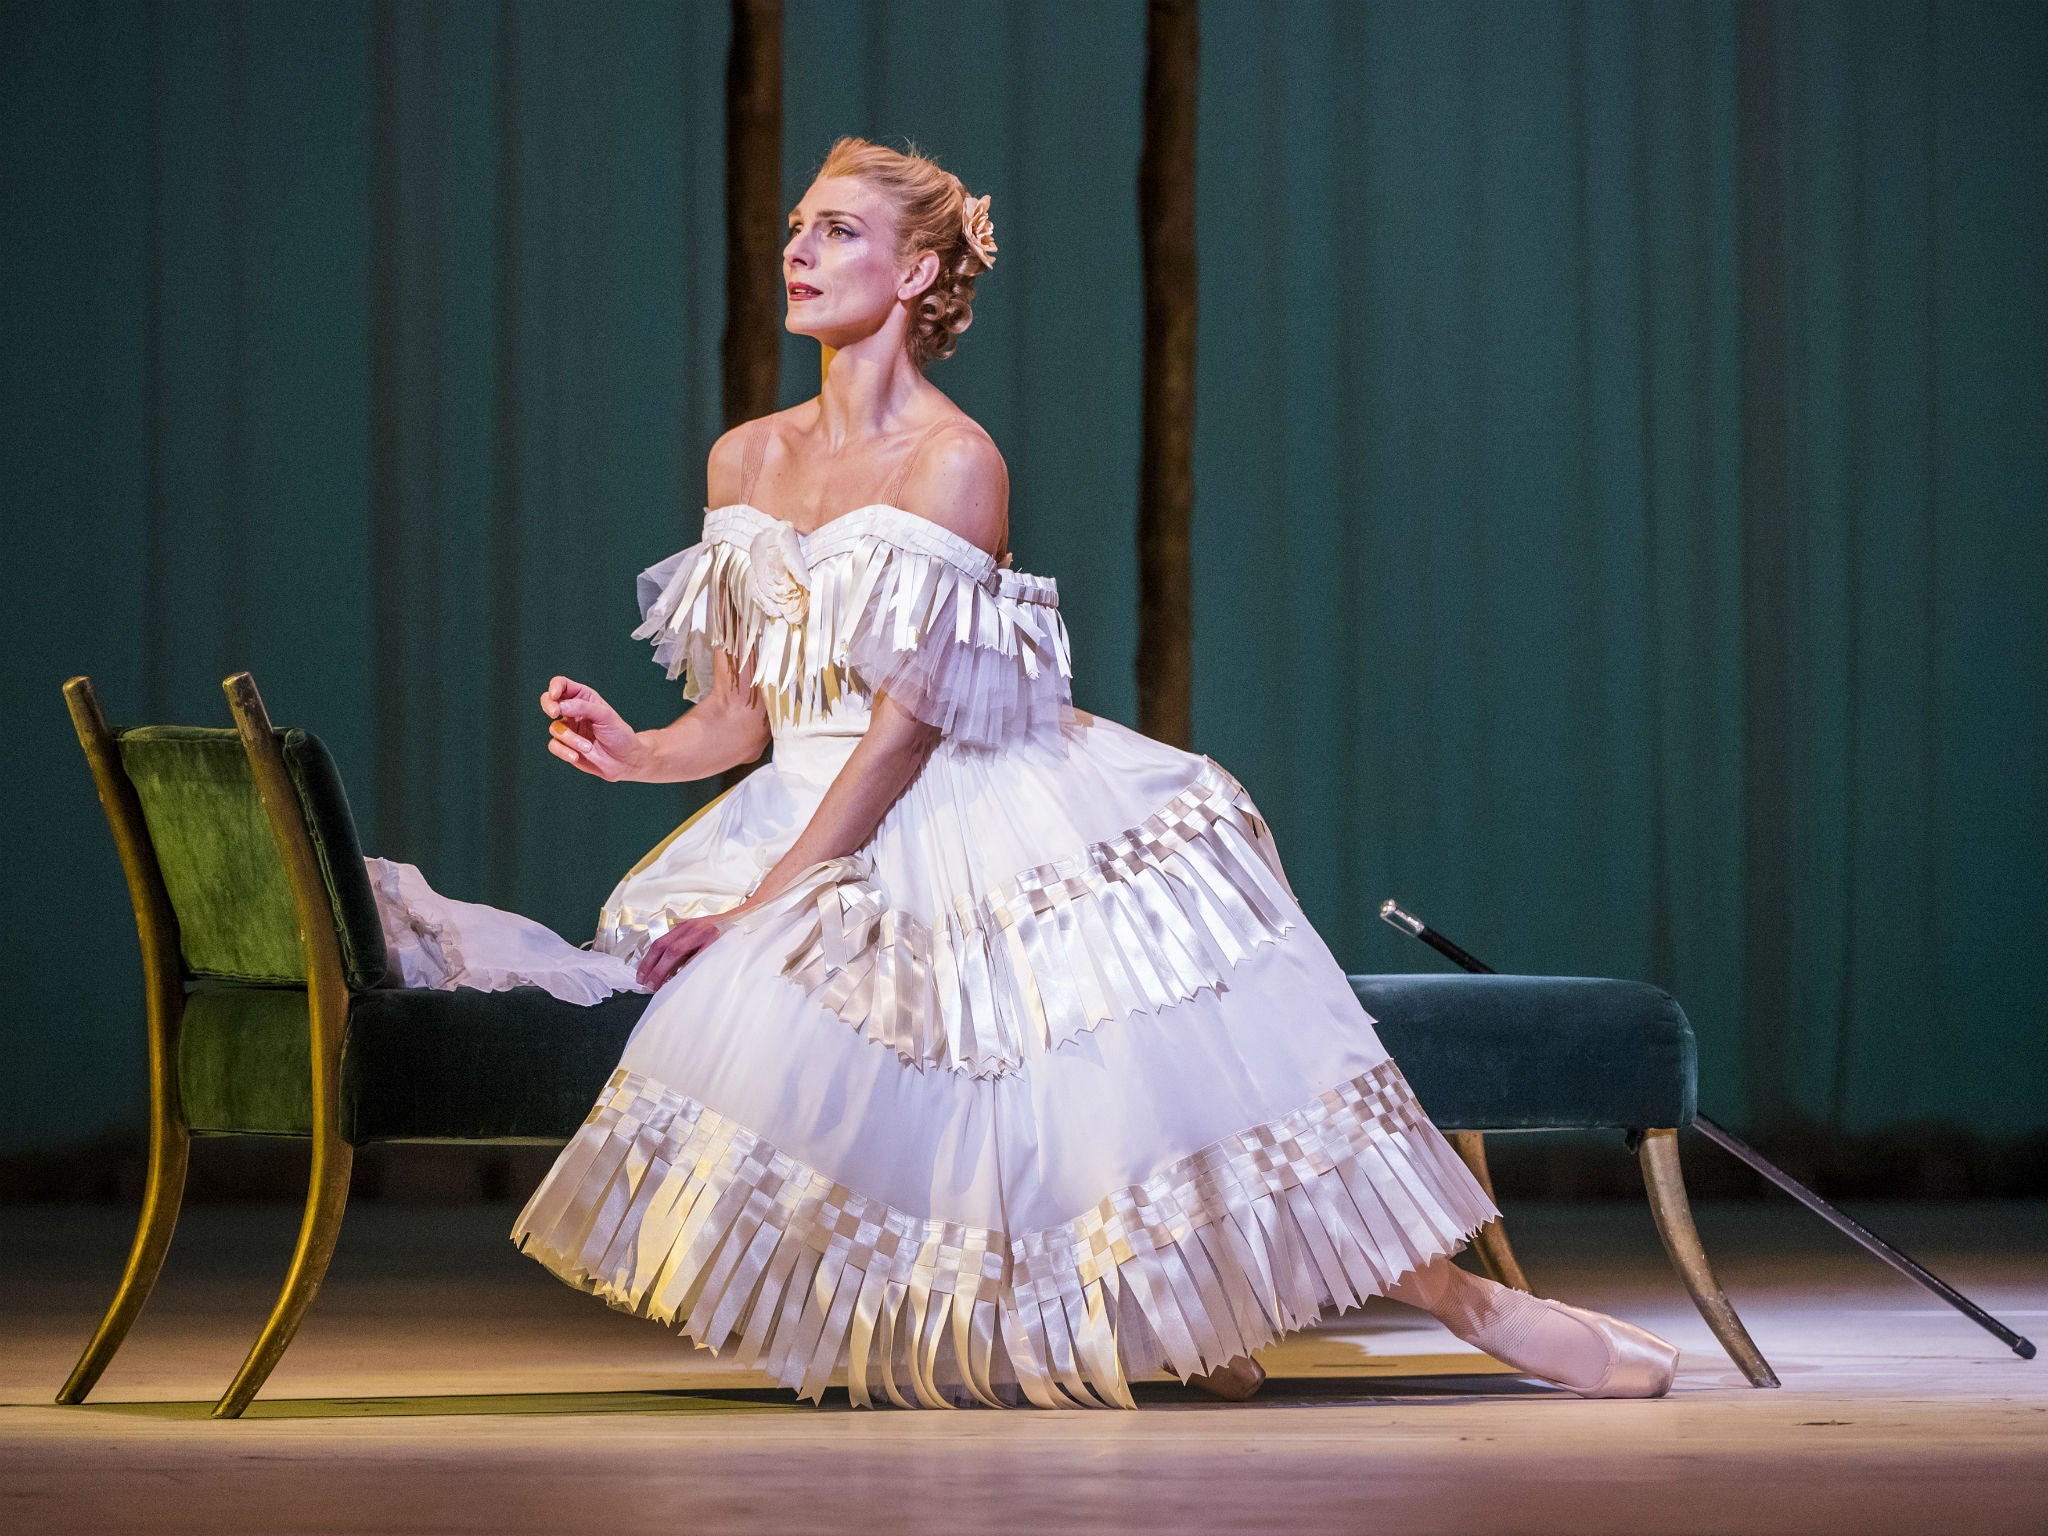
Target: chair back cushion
(1530,1053)
(220,862)
(245,1060)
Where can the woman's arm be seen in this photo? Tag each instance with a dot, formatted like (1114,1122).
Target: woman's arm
(720,731)
(883,763)
(726,727)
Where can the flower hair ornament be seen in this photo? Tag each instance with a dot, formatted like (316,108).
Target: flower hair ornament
(979,233)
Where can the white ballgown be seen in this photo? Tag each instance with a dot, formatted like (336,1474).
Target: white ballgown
(1048,1086)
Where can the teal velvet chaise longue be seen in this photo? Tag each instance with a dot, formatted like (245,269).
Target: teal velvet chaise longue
(271,1010)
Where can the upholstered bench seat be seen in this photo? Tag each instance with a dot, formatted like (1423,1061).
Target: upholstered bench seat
(1483,1053)
(416,1064)
(1523,1053)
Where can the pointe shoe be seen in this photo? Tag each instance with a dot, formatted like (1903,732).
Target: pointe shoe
(1639,1364)
(1234,1380)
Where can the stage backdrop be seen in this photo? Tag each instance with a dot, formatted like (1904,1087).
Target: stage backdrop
(1621,467)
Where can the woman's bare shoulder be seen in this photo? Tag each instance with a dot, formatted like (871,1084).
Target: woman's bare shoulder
(726,469)
(961,482)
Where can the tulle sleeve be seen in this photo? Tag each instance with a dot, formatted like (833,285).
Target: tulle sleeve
(983,655)
(692,605)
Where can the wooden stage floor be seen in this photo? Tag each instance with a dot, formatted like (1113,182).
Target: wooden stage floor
(446,1384)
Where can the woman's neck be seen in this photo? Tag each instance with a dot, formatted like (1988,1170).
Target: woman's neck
(868,391)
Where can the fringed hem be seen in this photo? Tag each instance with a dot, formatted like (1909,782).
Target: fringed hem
(986,662)
(671,1211)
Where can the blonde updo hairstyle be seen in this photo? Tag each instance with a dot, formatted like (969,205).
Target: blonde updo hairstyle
(929,203)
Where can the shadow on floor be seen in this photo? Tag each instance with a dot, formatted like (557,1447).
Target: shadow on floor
(1457,1381)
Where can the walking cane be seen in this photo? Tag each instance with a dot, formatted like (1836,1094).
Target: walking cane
(1410,924)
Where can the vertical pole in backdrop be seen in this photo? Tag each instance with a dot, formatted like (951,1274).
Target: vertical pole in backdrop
(753,210)
(513,101)
(751,350)
(1166,473)
(1770,757)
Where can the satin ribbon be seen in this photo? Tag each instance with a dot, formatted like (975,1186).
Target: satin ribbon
(1138,922)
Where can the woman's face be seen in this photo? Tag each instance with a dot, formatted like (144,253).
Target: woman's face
(839,267)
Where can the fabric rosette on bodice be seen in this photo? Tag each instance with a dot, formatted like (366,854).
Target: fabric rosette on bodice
(781,575)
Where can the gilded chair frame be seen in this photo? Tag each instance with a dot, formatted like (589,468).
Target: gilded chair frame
(327,997)
(163,976)
(1664,1183)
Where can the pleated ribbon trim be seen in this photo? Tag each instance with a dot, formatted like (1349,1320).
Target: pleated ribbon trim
(894,603)
(1135,923)
(671,1211)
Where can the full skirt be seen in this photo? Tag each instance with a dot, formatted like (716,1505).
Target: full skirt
(1051,1087)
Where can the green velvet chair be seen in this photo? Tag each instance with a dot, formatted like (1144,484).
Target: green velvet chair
(1527,1053)
(268,1005)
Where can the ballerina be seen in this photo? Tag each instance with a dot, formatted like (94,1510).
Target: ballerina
(990,1058)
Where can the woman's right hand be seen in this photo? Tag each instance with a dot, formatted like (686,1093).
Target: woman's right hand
(588,732)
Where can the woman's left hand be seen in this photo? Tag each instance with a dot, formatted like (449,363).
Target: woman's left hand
(665,956)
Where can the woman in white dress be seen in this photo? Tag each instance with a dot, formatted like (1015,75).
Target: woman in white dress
(990,1057)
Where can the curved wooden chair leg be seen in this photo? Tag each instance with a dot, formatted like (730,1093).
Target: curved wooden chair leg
(1665,1182)
(169,1150)
(328,1002)
(163,975)
(1490,1243)
(326,1199)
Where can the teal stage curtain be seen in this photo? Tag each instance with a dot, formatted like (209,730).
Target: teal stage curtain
(1621,512)
(373,347)
(1620,470)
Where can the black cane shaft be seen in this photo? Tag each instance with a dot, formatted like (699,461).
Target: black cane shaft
(1849,1227)
(1453,953)
(1736,1147)
(1409,923)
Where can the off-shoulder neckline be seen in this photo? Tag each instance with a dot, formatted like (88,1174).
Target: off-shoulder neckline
(965,548)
